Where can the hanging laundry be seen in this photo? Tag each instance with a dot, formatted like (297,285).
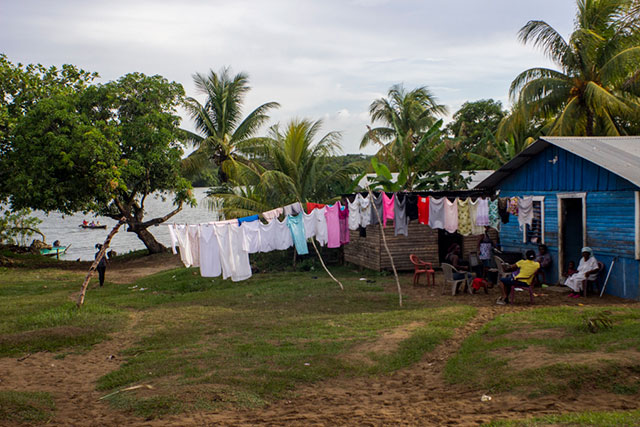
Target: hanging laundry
(387,208)
(512,206)
(423,210)
(182,235)
(450,215)
(494,217)
(209,252)
(376,209)
(412,208)
(275,235)
(194,244)
(252,240)
(503,211)
(436,212)
(476,229)
(293,209)
(343,218)
(174,239)
(333,225)
(312,206)
(234,258)
(247,219)
(401,220)
(296,226)
(272,214)
(309,221)
(354,212)
(525,211)
(482,214)
(464,217)
(365,211)
(322,232)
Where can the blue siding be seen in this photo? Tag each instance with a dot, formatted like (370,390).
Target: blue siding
(610,213)
(568,173)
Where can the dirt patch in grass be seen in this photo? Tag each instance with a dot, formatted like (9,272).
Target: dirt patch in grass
(387,343)
(525,333)
(537,356)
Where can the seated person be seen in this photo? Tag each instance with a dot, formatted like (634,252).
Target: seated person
(453,258)
(571,269)
(544,258)
(528,268)
(587,270)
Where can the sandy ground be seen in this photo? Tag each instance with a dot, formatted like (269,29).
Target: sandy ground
(414,396)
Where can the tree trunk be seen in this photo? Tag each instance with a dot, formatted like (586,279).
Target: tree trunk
(152,245)
(590,122)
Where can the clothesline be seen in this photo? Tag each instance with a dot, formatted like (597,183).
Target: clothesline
(223,247)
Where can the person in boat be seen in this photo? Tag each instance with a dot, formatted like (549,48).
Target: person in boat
(92,224)
(84,222)
(56,244)
(102,264)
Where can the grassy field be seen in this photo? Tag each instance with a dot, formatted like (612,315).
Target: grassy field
(211,344)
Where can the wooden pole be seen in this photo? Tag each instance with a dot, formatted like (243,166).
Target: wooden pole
(384,241)
(100,255)
(323,265)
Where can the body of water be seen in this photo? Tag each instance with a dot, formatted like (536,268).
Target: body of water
(65,228)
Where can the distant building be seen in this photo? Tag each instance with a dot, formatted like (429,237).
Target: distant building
(586,193)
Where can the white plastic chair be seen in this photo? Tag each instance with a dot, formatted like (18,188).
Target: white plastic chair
(500,265)
(447,271)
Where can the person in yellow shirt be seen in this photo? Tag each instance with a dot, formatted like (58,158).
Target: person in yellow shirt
(527,270)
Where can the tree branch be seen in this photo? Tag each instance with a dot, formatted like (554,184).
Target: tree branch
(160,220)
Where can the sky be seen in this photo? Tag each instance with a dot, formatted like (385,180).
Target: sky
(324,59)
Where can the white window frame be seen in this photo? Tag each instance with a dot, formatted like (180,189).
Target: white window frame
(637,224)
(524,229)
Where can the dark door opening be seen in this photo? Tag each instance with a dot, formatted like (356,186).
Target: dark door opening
(572,226)
(445,240)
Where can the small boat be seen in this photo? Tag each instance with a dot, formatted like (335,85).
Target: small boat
(54,251)
(94,227)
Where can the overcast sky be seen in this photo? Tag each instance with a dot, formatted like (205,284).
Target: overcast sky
(319,59)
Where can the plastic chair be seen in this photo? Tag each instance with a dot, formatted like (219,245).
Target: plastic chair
(422,267)
(512,295)
(447,271)
(586,284)
(500,266)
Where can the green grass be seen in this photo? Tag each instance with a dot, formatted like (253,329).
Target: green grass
(600,419)
(489,358)
(26,407)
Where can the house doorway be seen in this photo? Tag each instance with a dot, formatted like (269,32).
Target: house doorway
(572,229)
(445,240)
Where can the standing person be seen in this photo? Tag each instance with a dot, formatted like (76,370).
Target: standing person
(528,268)
(587,269)
(485,250)
(102,264)
(544,258)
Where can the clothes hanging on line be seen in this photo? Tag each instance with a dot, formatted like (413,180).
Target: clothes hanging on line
(464,217)
(272,214)
(494,215)
(387,208)
(235,258)
(343,219)
(436,212)
(450,215)
(423,210)
(365,211)
(525,211)
(292,209)
(296,226)
(250,218)
(401,220)
(482,213)
(354,212)
(473,213)
(194,244)
(376,210)
(412,207)
(210,265)
(333,225)
(312,206)
(252,238)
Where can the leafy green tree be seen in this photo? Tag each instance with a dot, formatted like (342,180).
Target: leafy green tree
(596,90)
(105,149)
(299,169)
(17,226)
(221,133)
(409,114)
(21,88)
(472,120)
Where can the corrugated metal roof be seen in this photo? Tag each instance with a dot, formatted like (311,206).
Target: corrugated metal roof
(620,155)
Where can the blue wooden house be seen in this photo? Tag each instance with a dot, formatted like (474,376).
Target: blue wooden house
(586,192)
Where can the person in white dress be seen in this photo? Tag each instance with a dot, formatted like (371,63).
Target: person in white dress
(587,269)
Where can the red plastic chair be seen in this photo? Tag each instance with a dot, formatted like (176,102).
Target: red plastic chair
(422,267)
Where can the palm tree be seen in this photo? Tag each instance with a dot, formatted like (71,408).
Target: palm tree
(596,90)
(409,114)
(222,134)
(289,165)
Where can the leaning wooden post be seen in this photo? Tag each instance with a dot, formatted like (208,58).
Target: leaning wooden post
(324,266)
(384,241)
(100,255)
